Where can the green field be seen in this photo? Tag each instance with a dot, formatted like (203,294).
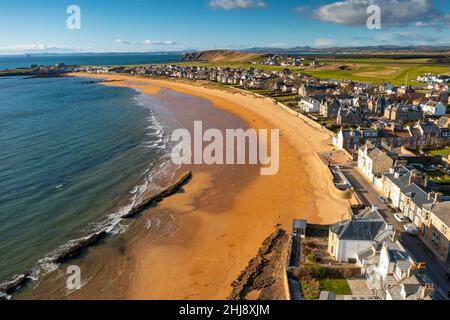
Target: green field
(441,152)
(379,71)
(339,287)
(370,70)
(14,71)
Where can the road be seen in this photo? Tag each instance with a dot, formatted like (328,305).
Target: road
(418,250)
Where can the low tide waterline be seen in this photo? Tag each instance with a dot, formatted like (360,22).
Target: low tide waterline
(75,156)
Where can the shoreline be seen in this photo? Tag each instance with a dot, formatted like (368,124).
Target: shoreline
(204,249)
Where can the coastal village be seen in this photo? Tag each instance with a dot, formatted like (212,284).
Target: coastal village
(393,144)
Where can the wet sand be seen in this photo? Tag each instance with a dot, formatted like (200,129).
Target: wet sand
(225,213)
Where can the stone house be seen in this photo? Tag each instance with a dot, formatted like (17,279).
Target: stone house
(373,162)
(436,229)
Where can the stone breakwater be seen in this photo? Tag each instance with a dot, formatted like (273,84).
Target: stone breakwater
(73,248)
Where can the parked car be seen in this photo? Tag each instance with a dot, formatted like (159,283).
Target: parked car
(411,230)
(399,218)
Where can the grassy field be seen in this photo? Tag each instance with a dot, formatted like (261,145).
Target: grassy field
(441,152)
(14,71)
(339,287)
(379,72)
(369,70)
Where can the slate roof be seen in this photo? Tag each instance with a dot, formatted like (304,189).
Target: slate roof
(403,179)
(398,256)
(408,289)
(366,253)
(416,194)
(440,210)
(362,230)
(429,128)
(369,214)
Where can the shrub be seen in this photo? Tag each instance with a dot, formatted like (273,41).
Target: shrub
(307,251)
(319,272)
(312,245)
(310,289)
(303,271)
(313,257)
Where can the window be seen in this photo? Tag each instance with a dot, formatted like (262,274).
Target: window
(435,239)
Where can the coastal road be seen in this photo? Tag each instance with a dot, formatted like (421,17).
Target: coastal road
(418,250)
(436,270)
(365,191)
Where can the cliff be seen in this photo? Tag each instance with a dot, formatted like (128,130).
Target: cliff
(220,56)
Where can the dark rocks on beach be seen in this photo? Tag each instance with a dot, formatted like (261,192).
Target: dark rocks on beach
(9,287)
(79,245)
(263,272)
(98,81)
(160,196)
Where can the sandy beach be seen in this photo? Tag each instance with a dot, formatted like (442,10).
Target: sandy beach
(226,214)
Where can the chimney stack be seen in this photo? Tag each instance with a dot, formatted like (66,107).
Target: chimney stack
(412,177)
(426,290)
(434,196)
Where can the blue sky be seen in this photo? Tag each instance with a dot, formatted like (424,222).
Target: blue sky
(168,25)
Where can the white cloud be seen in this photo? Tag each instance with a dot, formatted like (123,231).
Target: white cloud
(237,4)
(147,42)
(322,42)
(158,43)
(120,41)
(37,48)
(393,12)
(301,9)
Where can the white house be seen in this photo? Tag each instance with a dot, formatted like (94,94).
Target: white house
(392,274)
(309,105)
(434,108)
(347,238)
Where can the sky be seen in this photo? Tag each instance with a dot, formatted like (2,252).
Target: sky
(175,25)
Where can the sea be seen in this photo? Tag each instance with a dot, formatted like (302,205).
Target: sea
(75,156)
(25,61)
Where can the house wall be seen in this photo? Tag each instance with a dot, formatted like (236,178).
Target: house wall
(379,184)
(410,210)
(385,266)
(392,192)
(333,244)
(365,165)
(347,249)
(436,229)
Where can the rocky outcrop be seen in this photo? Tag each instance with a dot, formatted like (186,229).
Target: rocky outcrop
(12,285)
(264,273)
(76,246)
